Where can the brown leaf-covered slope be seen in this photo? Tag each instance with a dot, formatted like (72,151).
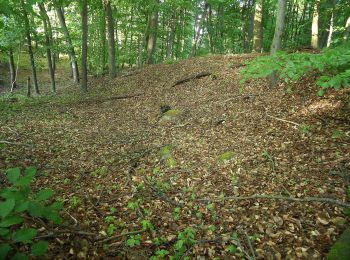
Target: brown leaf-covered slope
(102,152)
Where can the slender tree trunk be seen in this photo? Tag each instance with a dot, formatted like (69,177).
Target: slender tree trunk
(277,38)
(330,32)
(152,34)
(111,41)
(84,45)
(48,43)
(53,53)
(258,27)
(30,48)
(314,27)
(347,29)
(74,63)
(198,31)
(13,75)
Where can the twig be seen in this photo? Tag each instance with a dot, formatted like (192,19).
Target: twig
(276,197)
(120,235)
(14,143)
(283,120)
(57,233)
(189,78)
(250,246)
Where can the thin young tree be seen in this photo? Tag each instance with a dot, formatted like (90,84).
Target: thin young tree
(13,73)
(71,51)
(48,46)
(111,40)
(84,45)
(30,47)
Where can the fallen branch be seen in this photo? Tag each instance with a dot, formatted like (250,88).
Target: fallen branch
(120,97)
(283,120)
(276,197)
(196,76)
(100,241)
(14,143)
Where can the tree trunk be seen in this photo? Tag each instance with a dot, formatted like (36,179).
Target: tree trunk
(198,31)
(74,63)
(30,47)
(347,29)
(277,38)
(48,43)
(152,34)
(13,75)
(258,27)
(53,53)
(111,41)
(330,32)
(84,45)
(314,27)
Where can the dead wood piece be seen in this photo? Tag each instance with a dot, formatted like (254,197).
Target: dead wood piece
(120,97)
(189,78)
(101,241)
(276,197)
(237,65)
(283,120)
(15,143)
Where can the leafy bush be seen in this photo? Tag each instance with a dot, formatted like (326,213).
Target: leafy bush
(17,202)
(332,67)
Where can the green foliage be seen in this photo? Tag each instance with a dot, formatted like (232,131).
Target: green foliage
(185,239)
(19,200)
(134,241)
(227,156)
(331,67)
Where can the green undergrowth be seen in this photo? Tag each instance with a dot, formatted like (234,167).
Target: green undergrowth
(331,67)
(20,206)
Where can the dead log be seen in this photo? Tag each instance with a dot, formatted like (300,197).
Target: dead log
(189,78)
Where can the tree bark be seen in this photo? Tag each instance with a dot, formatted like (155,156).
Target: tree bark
(258,27)
(13,75)
(347,29)
(111,41)
(48,43)
(314,26)
(74,63)
(152,34)
(30,47)
(84,45)
(277,38)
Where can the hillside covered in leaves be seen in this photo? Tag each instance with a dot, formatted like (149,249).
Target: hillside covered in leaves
(178,160)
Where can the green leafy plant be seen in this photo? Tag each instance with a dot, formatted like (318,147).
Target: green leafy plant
(331,67)
(185,240)
(134,240)
(147,225)
(111,229)
(306,129)
(160,254)
(19,201)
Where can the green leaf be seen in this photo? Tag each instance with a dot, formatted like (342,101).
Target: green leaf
(45,194)
(6,207)
(19,256)
(25,235)
(3,232)
(40,248)
(26,180)
(22,206)
(13,174)
(30,171)
(36,209)
(4,250)
(10,221)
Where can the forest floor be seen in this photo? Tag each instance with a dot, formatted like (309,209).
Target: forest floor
(136,182)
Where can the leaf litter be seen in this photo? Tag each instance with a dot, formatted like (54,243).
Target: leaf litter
(114,163)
